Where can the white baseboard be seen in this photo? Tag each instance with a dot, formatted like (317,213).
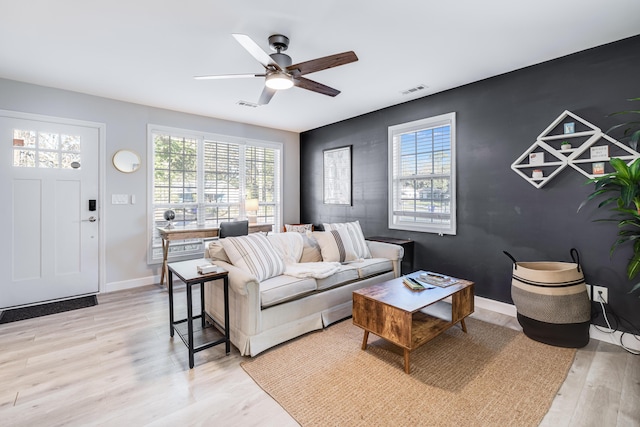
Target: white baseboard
(496,306)
(630,341)
(129,284)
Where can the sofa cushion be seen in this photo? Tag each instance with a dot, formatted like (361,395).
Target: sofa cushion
(372,266)
(347,273)
(355,235)
(335,245)
(284,288)
(254,253)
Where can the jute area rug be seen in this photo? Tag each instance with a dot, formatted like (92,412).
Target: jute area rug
(492,376)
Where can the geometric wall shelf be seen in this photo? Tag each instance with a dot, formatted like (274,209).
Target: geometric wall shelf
(599,150)
(589,153)
(549,164)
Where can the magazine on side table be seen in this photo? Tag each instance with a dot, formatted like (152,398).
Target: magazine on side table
(439,280)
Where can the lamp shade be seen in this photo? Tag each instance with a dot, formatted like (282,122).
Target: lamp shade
(251,205)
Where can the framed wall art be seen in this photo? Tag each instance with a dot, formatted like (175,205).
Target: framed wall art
(337,176)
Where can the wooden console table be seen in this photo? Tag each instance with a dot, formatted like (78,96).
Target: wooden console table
(409,318)
(199,232)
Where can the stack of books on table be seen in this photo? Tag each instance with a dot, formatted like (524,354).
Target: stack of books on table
(438,279)
(414,284)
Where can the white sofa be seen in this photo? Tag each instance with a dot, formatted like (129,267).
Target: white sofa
(269,312)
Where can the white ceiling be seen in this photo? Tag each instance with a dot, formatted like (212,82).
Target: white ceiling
(147,51)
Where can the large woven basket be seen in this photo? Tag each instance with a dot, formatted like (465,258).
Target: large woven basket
(552,301)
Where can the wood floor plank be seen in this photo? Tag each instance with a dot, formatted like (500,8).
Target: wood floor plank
(629,413)
(599,400)
(563,406)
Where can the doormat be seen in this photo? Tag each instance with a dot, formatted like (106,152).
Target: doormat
(15,314)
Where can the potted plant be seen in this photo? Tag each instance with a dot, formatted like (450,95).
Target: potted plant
(565,145)
(622,191)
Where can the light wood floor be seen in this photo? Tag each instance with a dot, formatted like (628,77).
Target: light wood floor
(115,364)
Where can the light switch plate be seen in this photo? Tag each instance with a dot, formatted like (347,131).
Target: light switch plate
(119,199)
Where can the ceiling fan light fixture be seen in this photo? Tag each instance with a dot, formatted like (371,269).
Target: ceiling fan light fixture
(279,81)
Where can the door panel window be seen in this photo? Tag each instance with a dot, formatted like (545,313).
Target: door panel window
(46,150)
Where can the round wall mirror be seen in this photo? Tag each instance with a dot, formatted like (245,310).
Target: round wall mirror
(126,161)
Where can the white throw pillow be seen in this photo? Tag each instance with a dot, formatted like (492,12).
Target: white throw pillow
(355,234)
(255,254)
(287,245)
(335,245)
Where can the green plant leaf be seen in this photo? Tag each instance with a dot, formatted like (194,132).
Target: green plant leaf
(634,266)
(636,287)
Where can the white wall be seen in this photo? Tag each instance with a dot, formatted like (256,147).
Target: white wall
(125,239)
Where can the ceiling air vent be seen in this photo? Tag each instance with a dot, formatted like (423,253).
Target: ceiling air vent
(246,104)
(414,89)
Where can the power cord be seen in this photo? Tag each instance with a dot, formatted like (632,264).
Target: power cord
(612,330)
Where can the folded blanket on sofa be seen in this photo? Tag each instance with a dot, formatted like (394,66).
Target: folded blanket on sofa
(317,270)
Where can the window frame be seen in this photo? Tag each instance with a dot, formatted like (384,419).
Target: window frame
(201,138)
(394,167)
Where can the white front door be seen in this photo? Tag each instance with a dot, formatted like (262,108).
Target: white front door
(50,244)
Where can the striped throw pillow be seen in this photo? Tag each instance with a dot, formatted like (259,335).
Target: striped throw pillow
(254,253)
(355,234)
(335,245)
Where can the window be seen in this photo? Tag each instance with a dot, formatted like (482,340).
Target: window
(422,189)
(34,149)
(205,180)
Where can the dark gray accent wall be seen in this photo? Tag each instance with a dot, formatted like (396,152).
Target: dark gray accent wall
(497,120)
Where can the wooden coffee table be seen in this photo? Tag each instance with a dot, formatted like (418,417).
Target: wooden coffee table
(410,318)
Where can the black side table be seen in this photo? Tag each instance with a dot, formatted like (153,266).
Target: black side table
(187,271)
(407,260)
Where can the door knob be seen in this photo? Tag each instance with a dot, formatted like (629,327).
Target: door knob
(91,219)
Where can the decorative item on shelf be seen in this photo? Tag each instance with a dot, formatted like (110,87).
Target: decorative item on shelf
(169,215)
(536,158)
(537,174)
(597,168)
(600,152)
(251,206)
(569,127)
(565,145)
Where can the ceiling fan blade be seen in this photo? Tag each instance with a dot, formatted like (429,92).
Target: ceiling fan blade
(315,86)
(266,95)
(252,47)
(228,76)
(322,63)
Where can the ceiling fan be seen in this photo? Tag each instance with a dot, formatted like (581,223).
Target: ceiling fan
(279,73)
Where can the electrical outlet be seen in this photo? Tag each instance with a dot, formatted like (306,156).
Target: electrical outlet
(599,291)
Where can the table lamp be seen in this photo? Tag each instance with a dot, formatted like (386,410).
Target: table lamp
(251,206)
